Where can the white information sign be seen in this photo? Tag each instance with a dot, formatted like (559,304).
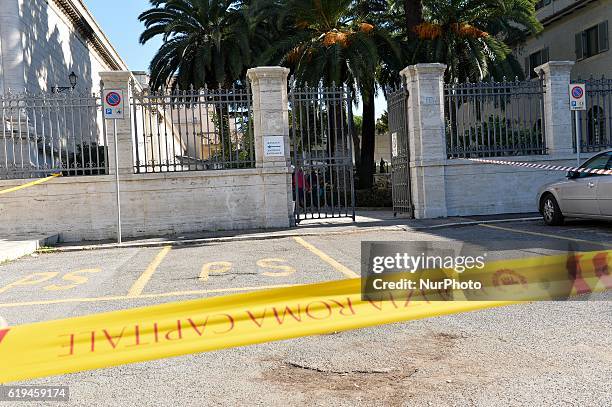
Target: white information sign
(394,144)
(112,103)
(577,96)
(274,146)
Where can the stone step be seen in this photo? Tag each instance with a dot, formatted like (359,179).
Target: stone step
(14,247)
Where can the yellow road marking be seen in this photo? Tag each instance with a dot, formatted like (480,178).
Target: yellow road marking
(27,280)
(327,259)
(571,239)
(30,184)
(273,263)
(3,323)
(218,267)
(144,278)
(142,296)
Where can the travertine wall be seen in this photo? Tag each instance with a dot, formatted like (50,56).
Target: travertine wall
(52,49)
(84,208)
(11,51)
(443,187)
(40,47)
(486,189)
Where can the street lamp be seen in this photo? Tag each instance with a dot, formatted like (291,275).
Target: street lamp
(72,79)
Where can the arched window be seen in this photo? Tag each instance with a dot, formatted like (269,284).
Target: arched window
(596,126)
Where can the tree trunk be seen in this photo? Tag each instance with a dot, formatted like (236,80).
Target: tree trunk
(413,14)
(368,139)
(354,135)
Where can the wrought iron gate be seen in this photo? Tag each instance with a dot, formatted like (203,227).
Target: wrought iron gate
(321,154)
(397,105)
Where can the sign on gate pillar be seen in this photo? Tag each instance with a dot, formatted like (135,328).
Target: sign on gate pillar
(577,96)
(274,146)
(112,101)
(115,108)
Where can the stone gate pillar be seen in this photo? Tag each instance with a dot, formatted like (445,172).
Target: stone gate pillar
(427,139)
(271,115)
(272,146)
(557,114)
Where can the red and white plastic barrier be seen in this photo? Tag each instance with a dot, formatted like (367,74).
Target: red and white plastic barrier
(543,166)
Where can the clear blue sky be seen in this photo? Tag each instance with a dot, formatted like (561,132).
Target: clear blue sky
(119,20)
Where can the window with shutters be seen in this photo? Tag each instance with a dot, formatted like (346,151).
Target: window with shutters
(592,41)
(542,3)
(534,60)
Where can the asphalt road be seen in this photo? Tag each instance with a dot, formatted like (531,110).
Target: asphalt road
(548,353)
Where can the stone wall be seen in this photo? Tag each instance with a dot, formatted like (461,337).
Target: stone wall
(485,189)
(40,45)
(11,48)
(84,208)
(53,49)
(443,187)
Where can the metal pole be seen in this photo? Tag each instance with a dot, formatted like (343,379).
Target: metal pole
(117,192)
(578,137)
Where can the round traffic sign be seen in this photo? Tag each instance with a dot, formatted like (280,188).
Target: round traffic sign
(577,92)
(113,99)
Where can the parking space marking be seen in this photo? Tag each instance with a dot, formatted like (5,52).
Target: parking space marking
(327,259)
(217,267)
(30,280)
(275,264)
(75,277)
(139,285)
(144,296)
(526,232)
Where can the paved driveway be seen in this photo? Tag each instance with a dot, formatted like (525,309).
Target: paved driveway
(535,354)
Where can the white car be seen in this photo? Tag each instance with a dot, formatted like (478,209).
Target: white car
(581,195)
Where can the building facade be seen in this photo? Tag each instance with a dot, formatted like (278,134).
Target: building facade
(574,30)
(43,41)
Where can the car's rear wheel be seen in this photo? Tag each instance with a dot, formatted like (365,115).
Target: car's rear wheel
(551,212)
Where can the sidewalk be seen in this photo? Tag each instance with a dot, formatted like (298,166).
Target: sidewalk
(365,221)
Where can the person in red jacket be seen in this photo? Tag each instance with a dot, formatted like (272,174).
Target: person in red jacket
(302,186)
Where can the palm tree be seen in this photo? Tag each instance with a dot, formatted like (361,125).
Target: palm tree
(472,36)
(334,41)
(205,42)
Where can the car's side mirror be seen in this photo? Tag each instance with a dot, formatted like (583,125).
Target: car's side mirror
(573,174)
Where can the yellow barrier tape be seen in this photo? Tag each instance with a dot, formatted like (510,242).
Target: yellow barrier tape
(30,184)
(140,334)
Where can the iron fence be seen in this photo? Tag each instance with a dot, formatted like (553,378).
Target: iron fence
(193,130)
(321,140)
(491,119)
(397,106)
(45,133)
(595,123)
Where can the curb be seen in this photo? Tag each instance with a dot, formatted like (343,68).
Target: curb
(276,235)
